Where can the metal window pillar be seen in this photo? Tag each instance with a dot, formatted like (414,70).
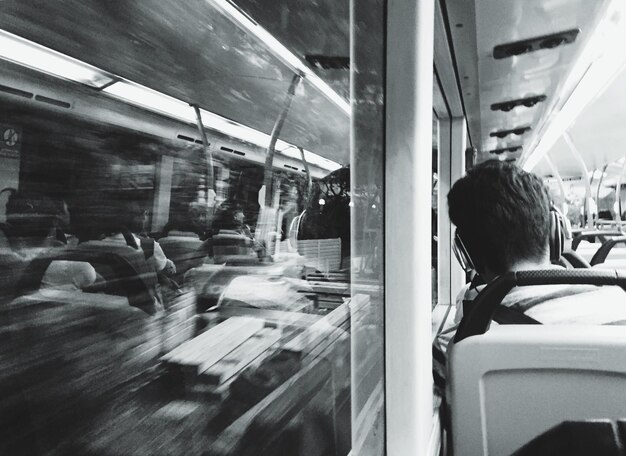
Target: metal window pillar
(452,146)
(559,181)
(408,197)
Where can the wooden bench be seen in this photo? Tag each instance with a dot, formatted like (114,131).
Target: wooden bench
(211,359)
(316,393)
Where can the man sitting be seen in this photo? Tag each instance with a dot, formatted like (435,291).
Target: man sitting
(502,215)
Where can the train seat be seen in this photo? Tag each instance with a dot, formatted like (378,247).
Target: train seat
(228,244)
(69,275)
(515,382)
(186,251)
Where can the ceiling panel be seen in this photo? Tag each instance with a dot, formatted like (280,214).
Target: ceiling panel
(310,27)
(599,132)
(478,26)
(189,50)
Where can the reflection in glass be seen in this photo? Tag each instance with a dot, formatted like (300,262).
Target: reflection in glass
(166,293)
(435,210)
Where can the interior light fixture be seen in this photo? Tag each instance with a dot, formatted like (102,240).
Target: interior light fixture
(281,51)
(312,159)
(159,102)
(27,53)
(152,100)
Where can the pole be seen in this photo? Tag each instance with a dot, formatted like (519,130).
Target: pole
(618,194)
(585,171)
(598,192)
(308,174)
(207,152)
(278,125)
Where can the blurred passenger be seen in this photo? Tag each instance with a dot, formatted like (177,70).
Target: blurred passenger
(135,218)
(32,224)
(230,220)
(199,219)
(31,229)
(230,217)
(112,219)
(502,216)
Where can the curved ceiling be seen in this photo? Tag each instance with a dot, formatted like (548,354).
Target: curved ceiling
(478,26)
(194,52)
(598,133)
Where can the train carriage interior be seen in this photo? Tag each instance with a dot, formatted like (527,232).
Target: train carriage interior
(214,233)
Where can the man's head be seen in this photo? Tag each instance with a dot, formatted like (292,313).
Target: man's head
(199,216)
(502,215)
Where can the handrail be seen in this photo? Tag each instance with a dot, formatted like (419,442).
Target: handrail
(605,248)
(278,125)
(575,259)
(583,235)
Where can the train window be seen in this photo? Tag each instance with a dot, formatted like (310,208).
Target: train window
(435,209)
(191,255)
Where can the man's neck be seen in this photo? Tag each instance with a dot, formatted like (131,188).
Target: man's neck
(526,265)
(522,265)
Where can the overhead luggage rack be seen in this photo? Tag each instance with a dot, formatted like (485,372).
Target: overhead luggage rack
(551,41)
(528,102)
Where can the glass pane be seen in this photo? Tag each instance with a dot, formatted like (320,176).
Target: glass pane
(367,309)
(435,208)
(191,254)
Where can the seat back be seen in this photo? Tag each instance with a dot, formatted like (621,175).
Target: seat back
(322,254)
(186,252)
(228,244)
(513,383)
(65,354)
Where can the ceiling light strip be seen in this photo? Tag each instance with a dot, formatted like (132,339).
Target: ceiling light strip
(172,107)
(27,53)
(40,58)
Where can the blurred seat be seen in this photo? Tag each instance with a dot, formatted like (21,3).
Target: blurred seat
(228,244)
(186,250)
(65,352)
(124,270)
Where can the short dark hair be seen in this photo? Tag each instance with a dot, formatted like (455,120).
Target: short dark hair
(502,214)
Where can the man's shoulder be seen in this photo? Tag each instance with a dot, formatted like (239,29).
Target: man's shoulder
(570,303)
